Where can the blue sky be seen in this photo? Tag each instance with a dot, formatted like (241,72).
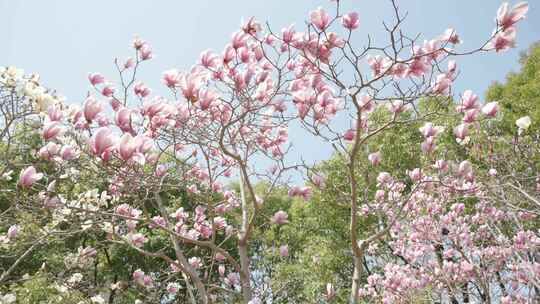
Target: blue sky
(65,40)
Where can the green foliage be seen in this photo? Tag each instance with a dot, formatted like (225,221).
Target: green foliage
(520,94)
(39,288)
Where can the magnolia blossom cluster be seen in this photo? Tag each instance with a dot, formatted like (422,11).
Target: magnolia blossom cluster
(450,247)
(34,96)
(472,111)
(504,35)
(444,246)
(84,257)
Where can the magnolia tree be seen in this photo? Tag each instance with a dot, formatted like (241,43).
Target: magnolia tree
(173,177)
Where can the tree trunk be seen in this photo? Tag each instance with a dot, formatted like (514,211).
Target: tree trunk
(243,247)
(245,275)
(357,276)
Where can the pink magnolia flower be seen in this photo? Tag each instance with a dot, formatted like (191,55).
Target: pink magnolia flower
(428,145)
(190,84)
(490,109)
(441,165)
(206,98)
(417,67)
(349,135)
(103,120)
(506,17)
(284,251)
(172,288)
(399,70)
(397,106)
(503,41)
(305,193)
(429,130)
(161,170)
(107,90)
(157,221)
(87,252)
(244,55)
(129,63)
(29,176)
(431,49)
(461,131)
(375,158)
(51,130)
(452,67)
(379,195)
(171,78)
(146,52)
(287,34)
(251,26)
(470,116)
(51,202)
(415,174)
(138,275)
(126,146)
(384,178)
(123,209)
(442,84)
(49,150)
(366,103)
(221,270)
(378,64)
(220,222)
(280,218)
(13,231)
(468,101)
(233,279)
(334,40)
(137,239)
(54,113)
(195,262)
(220,257)
(147,281)
(95,78)
(350,20)
(68,153)
(102,141)
(141,90)
(320,18)
(238,39)
(450,36)
(123,120)
(115,104)
(138,43)
(319,181)
(209,59)
(91,108)
(464,168)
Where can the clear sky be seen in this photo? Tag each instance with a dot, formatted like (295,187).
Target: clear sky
(65,40)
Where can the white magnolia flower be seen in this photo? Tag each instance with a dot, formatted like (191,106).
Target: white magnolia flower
(75,278)
(523,123)
(7,176)
(464,141)
(8,298)
(61,288)
(98,299)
